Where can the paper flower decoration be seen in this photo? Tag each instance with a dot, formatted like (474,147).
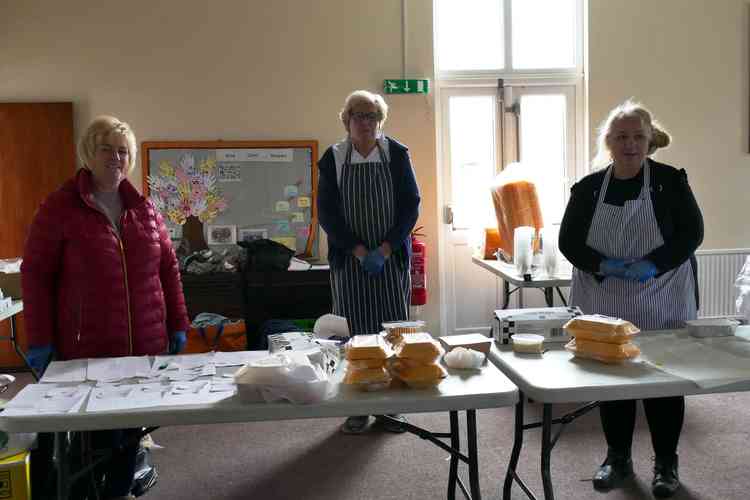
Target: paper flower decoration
(187,189)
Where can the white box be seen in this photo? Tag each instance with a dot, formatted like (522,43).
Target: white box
(544,321)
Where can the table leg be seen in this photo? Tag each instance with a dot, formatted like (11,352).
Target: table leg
(471,437)
(506,294)
(547,451)
(18,350)
(549,296)
(510,475)
(61,458)
(456,445)
(562,297)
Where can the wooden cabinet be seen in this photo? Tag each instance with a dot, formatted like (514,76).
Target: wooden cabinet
(37,154)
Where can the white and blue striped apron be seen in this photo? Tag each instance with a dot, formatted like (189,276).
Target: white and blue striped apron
(630,232)
(369,209)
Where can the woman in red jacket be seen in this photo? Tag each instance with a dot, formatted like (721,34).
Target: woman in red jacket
(99,275)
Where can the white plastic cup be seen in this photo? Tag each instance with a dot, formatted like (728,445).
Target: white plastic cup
(549,249)
(523,251)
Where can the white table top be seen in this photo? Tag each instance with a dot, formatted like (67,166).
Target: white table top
(509,273)
(558,377)
(15,307)
(461,390)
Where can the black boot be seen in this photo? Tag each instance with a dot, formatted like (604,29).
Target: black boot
(666,479)
(616,468)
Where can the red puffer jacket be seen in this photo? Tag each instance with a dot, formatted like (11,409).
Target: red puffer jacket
(92,293)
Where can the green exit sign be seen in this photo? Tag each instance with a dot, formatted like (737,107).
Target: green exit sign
(406,86)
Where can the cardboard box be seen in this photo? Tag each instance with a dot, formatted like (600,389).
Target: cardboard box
(15,477)
(544,321)
(10,284)
(475,341)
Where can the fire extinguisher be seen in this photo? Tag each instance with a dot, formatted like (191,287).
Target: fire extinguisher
(418,269)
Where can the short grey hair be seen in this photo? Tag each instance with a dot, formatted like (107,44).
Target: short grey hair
(363,97)
(657,136)
(99,129)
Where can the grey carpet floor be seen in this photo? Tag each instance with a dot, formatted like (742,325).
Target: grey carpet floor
(311,459)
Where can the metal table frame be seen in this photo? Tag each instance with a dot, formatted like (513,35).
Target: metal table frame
(456,394)
(586,382)
(508,274)
(10,314)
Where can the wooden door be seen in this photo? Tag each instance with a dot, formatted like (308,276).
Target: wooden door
(37,154)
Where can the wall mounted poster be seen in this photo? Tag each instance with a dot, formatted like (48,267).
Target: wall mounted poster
(259,188)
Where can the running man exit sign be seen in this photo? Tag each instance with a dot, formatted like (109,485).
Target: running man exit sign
(406,86)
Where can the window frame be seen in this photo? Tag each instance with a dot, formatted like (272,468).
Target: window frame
(508,72)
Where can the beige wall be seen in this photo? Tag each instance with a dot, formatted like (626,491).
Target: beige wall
(243,69)
(251,69)
(688,61)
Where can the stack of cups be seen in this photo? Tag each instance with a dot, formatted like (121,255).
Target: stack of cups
(523,249)
(549,249)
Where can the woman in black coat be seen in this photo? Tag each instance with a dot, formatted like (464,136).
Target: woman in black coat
(630,231)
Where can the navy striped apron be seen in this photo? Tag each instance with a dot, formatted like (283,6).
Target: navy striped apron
(630,232)
(368,205)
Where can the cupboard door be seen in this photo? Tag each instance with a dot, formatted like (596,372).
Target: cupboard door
(37,154)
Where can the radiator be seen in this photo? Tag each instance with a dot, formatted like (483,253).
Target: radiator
(717,270)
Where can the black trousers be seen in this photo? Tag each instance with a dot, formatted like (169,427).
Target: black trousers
(664,416)
(114,475)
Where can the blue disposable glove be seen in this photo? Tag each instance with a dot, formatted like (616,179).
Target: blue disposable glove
(39,357)
(613,267)
(177,342)
(642,270)
(374,262)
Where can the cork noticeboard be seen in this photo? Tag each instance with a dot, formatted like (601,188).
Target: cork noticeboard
(236,190)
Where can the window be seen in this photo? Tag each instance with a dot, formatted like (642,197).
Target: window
(510,80)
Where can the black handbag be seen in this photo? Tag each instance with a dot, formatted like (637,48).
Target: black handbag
(266,255)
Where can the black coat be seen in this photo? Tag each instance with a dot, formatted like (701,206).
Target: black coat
(675,208)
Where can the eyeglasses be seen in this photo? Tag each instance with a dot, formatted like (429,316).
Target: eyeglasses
(362,117)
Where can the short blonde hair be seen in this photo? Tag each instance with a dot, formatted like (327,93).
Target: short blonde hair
(657,136)
(99,129)
(363,97)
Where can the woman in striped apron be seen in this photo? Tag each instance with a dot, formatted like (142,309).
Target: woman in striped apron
(368,203)
(631,231)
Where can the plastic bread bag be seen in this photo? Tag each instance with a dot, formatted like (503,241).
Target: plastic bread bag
(464,359)
(599,328)
(516,203)
(742,284)
(367,347)
(419,346)
(602,351)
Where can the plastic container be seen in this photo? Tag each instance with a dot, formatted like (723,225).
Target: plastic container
(395,330)
(718,327)
(527,343)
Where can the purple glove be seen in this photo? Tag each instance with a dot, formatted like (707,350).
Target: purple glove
(613,267)
(642,270)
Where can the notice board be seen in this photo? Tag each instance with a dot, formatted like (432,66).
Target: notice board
(236,190)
